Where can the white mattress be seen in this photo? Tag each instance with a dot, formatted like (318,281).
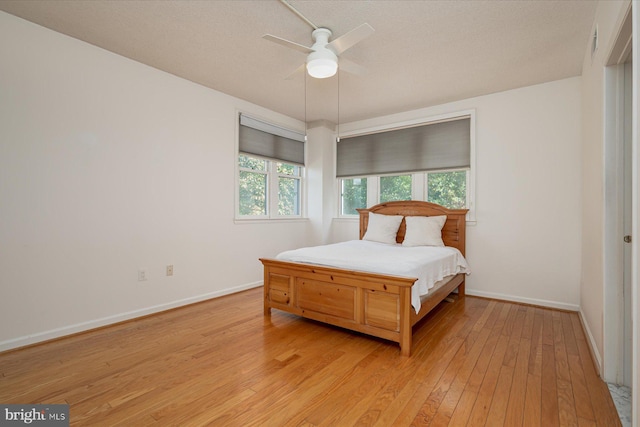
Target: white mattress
(430,264)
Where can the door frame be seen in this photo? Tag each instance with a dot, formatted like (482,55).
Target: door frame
(613,307)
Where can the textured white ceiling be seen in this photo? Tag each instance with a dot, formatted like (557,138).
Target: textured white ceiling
(422,53)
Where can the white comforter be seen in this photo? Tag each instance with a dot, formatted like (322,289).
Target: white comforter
(428,263)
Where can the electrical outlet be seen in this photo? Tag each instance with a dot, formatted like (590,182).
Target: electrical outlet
(142,275)
(170,270)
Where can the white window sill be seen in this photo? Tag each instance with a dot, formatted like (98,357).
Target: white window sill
(268,220)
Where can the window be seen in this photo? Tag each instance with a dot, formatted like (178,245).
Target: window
(270,171)
(288,189)
(253,186)
(446,188)
(396,187)
(413,161)
(268,189)
(353,195)
(358,193)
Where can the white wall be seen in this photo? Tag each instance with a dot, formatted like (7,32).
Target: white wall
(108,166)
(608,19)
(525,245)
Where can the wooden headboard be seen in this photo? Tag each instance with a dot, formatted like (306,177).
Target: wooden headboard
(453,232)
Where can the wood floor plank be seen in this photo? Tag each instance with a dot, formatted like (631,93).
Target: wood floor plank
(467,401)
(586,423)
(532,402)
(566,403)
(426,387)
(498,409)
(302,371)
(297,412)
(468,361)
(569,334)
(527,328)
(353,389)
(560,352)
(484,401)
(533,394)
(601,401)
(479,370)
(447,391)
(221,362)
(517,394)
(535,356)
(460,416)
(584,410)
(407,372)
(549,385)
(514,338)
(432,360)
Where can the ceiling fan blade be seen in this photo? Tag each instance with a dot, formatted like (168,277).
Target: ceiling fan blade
(354,36)
(287,43)
(351,67)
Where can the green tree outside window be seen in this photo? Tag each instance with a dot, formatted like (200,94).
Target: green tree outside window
(448,189)
(395,188)
(354,195)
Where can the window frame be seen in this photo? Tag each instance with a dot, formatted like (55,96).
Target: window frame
(272,190)
(273,180)
(425,193)
(264,172)
(274,201)
(419,188)
(372,187)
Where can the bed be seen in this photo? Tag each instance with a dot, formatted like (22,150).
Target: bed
(374,303)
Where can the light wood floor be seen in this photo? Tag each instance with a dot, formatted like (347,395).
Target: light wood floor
(475,362)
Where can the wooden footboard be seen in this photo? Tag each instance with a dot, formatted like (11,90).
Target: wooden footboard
(374,304)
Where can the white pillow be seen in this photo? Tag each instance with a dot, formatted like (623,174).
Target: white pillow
(382,228)
(424,230)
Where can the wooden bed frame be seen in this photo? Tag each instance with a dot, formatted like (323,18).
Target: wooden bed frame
(371,303)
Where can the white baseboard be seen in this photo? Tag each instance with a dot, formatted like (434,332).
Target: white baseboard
(595,354)
(532,301)
(104,321)
(121,317)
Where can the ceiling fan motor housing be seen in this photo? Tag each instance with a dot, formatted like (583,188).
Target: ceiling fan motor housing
(322,62)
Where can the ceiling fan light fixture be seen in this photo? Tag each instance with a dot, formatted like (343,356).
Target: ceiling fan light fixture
(322,64)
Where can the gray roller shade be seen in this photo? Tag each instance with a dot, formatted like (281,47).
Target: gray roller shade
(444,145)
(273,142)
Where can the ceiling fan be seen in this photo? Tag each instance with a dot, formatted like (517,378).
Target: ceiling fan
(322,58)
